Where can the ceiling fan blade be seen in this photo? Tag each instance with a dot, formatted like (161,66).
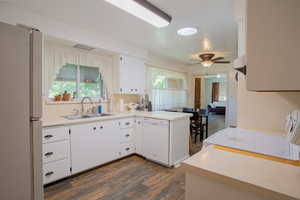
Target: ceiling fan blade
(222,62)
(206,56)
(218,58)
(196,63)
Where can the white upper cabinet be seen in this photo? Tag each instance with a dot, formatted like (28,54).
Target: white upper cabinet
(271,29)
(240,18)
(132,75)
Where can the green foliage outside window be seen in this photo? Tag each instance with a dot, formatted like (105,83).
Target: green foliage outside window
(59,87)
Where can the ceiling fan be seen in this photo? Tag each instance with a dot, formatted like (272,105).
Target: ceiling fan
(207,59)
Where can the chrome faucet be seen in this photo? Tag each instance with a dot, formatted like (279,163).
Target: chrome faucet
(82,103)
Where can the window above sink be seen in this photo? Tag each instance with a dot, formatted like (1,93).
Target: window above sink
(80,81)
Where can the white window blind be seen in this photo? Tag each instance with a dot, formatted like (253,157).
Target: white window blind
(167,89)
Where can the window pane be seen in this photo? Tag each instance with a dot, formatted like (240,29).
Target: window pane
(90,82)
(159,82)
(167,89)
(65,81)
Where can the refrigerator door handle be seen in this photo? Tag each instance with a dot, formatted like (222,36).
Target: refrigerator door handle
(36,74)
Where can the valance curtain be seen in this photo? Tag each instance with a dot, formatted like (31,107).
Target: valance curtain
(167,89)
(56,56)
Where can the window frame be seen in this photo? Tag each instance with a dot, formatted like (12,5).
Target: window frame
(78,98)
(154,73)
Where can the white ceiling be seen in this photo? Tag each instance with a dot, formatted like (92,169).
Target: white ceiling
(213,18)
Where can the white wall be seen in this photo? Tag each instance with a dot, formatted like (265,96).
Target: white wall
(165,63)
(265,111)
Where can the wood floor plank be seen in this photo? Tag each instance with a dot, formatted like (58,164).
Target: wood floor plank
(132,178)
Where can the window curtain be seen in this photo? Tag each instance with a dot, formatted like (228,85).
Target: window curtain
(167,89)
(56,56)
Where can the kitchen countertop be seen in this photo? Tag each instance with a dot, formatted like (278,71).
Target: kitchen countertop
(266,175)
(155,115)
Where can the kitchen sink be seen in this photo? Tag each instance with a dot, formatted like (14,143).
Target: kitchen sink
(86,116)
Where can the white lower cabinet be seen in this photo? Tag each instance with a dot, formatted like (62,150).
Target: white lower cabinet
(127,136)
(74,149)
(56,170)
(56,154)
(94,144)
(138,136)
(126,149)
(56,151)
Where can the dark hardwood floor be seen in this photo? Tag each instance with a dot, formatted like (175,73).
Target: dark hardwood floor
(132,178)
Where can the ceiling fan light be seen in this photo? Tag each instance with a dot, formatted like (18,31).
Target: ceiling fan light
(207,63)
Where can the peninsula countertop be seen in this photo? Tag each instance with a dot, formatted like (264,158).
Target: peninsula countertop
(57,121)
(272,177)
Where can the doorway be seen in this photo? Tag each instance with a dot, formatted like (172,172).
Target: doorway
(198,93)
(215,93)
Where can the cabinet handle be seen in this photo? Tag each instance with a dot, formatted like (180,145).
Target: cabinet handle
(127,149)
(127,123)
(127,135)
(49,173)
(101,127)
(49,154)
(48,136)
(94,128)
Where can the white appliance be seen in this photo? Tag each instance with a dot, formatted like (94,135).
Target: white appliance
(155,140)
(293,128)
(21,110)
(277,145)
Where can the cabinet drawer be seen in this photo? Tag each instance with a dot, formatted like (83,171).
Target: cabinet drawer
(56,151)
(127,149)
(127,135)
(56,170)
(126,123)
(55,134)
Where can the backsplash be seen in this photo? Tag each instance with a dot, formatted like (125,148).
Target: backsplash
(128,98)
(52,110)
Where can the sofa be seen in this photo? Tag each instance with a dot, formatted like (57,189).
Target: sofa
(218,108)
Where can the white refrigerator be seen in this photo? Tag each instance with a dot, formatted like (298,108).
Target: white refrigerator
(20,113)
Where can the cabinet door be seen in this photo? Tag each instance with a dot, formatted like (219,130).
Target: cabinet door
(132,75)
(273,45)
(125,75)
(84,142)
(93,144)
(138,136)
(139,74)
(240,18)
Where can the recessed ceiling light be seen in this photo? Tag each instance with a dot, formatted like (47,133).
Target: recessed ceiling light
(144,10)
(188,31)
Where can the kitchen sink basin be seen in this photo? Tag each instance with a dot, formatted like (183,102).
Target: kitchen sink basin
(86,116)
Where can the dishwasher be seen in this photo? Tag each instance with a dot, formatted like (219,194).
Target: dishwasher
(155,139)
